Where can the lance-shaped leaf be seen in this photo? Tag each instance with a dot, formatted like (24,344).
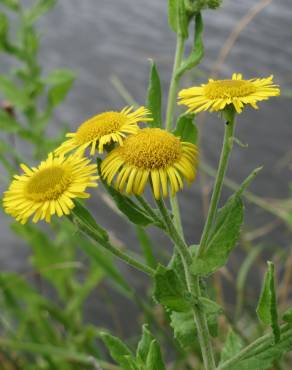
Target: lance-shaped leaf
(144,346)
(224,234)
(262,357)
(19,98)
(169,291)
(154,96)
(119,351)
(154,359)
(60,82)
(40,8)
(12,4)
(223,238)
(186,129)
(267,306)
(178,18)
(197,51)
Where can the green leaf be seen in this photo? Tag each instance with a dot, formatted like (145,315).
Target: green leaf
(172,14)
(146,246)
(154,96)
(16,96)
(267,306)
(185,128)
(197,51)
(8,123)
(178,18)
(183,322)
(60,82)
(233,344)
(82,214)
(129,208)
(154,359)
(144,346)
(263,357)
(40,8)
(118,350)
(12,4)
(222,239)
(287,316)
(184,328)
(31,44)
(4,25)
(169,291)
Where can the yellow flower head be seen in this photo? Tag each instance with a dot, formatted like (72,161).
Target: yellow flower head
(49,188)
(105,128)
(217,94)
(152,155)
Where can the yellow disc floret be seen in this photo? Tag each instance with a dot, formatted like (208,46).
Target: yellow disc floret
(152,155)
(217,94)
(49,188)
(105,128)
(48,184)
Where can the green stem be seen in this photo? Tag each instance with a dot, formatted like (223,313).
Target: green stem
(179,52)
(149,210)
(93,234)
(223,163)
(258,346)
(193,288)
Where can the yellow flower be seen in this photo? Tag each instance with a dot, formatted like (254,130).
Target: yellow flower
(152,155)
(49,188)
(105,128)
(217,94)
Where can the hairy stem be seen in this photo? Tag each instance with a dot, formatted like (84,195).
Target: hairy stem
(179,52)
(193,288)
(93,234)
(223,163)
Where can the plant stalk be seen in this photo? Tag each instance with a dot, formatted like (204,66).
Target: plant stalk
(193,288)
(223,163)
(89,231)
(179,52)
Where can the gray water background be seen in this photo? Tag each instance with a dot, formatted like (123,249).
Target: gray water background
(99,39)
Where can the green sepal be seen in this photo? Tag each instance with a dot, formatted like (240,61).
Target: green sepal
(186,129)
(154,96)
(267,306)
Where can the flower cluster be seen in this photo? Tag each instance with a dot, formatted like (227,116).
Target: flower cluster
(134,156)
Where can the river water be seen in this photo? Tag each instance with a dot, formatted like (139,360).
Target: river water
(115,38)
